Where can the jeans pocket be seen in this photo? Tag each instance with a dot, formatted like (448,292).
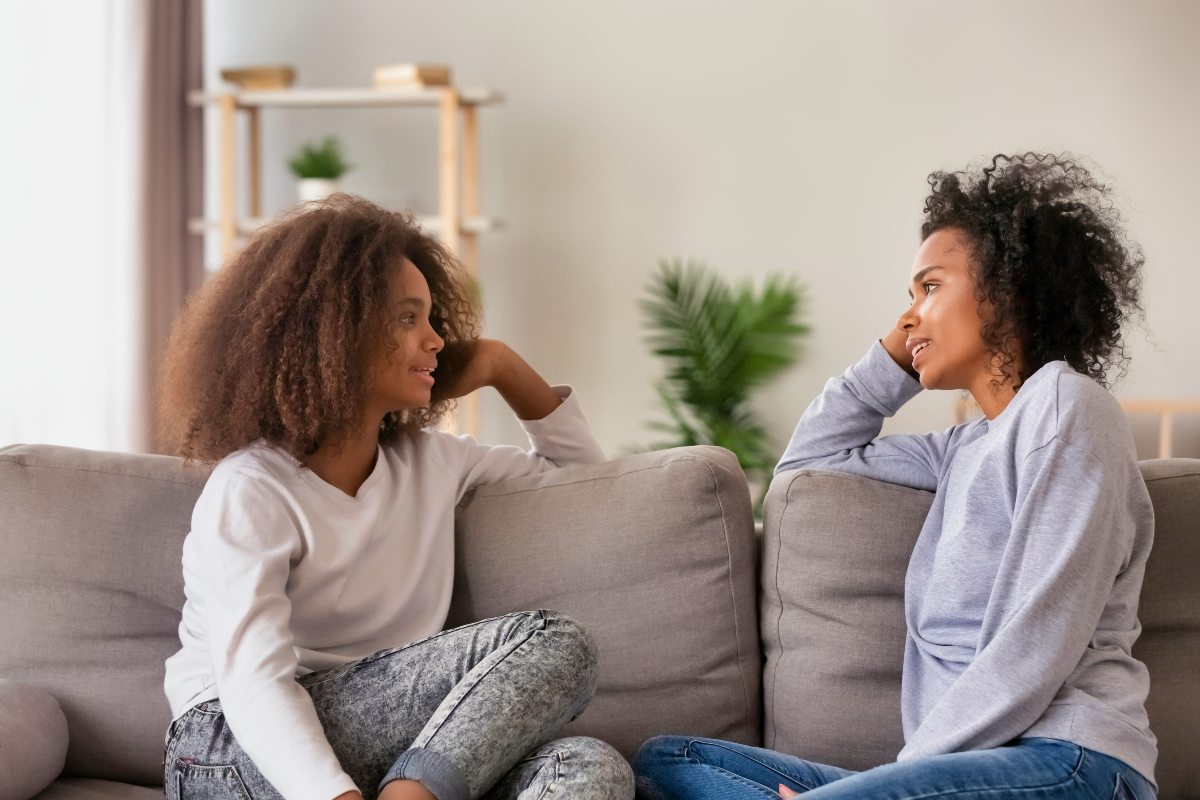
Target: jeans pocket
(206,782)
(1122,791)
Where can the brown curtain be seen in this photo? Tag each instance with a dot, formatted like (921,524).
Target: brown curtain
(171,261)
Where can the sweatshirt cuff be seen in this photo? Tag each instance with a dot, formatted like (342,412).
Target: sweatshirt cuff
(564,432)
(886,381)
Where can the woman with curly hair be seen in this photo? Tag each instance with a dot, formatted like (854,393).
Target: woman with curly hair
(319,566)
(1022,590)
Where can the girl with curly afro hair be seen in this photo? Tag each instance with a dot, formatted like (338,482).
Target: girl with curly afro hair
(1022,590)
(319,566)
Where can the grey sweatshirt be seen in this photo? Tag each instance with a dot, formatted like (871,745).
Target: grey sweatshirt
(1022,590)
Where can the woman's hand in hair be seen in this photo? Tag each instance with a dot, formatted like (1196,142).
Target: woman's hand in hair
(490,362)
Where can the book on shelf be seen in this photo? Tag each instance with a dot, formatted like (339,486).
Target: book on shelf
(259,79)
(395,76)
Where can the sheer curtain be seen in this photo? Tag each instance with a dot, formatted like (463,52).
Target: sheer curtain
(103,169)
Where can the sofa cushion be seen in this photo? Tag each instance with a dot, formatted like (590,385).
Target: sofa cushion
(654,554)
(835,551)
(33,740)
(92,789)
(92,588)
(1170,614)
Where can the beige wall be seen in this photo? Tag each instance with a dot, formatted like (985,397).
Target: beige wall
(758,136)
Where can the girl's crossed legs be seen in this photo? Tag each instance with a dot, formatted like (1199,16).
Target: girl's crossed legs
(465,711)
(685,768)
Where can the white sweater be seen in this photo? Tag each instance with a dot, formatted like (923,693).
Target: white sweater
(284,574)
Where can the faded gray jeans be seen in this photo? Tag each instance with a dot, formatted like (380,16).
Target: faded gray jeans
(467,712)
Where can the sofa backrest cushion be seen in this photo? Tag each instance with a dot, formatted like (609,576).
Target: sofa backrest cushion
(1170,614)
(91,588)
(835,551)
(655,555)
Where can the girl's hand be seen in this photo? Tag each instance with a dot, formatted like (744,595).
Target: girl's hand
(785,792)
(490,362)
(484,362)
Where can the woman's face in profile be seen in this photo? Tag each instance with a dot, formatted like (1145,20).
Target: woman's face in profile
(944,323)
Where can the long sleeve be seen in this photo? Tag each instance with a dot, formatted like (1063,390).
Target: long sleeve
(561,437)
(245,543)
(1072,534)
(840,429)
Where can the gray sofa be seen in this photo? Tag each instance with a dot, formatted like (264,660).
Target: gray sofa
(655,553)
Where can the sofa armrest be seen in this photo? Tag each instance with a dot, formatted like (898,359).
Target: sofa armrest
(655,555)
(33,740)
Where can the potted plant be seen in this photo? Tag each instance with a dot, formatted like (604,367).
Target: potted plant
(721,342)
(318,166)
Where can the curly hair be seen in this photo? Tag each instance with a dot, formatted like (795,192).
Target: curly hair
(1050,258)
(278,344)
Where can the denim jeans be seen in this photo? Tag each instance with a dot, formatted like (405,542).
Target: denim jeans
(679,767)
(467,712)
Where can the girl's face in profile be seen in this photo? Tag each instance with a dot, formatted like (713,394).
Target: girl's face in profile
(944,322)
(402,375)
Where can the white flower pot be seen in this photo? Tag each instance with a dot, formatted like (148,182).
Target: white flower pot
(316,188)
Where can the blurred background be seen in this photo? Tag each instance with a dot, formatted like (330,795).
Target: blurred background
(762,137)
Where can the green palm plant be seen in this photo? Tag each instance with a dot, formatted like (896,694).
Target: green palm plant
(720,342)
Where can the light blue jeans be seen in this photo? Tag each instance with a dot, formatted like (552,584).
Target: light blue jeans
(467,712)
(685,768)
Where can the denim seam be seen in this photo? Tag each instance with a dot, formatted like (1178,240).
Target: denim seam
(559,757)
(229,770)
(749,783)
(993,790)
(355,666)
(478,679)
(763,764)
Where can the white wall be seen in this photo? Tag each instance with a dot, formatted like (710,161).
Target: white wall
(758,136)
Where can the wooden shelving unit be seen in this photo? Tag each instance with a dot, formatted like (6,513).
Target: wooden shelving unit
(1166,411)
(458,222)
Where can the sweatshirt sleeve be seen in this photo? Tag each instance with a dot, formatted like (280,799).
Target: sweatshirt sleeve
(560,438)
(840,429)
(1072,535)
(246,544)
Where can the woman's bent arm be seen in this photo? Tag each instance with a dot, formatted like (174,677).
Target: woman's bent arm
(840,429)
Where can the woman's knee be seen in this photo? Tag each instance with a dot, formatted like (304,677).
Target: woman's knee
(659,749)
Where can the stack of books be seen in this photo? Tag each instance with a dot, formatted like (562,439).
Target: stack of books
(411,76)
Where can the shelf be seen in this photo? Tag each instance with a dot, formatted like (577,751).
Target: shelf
(342,98)
(428,223)
(459,219)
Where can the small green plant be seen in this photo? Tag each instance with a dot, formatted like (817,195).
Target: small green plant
(720,342)
(324,160)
